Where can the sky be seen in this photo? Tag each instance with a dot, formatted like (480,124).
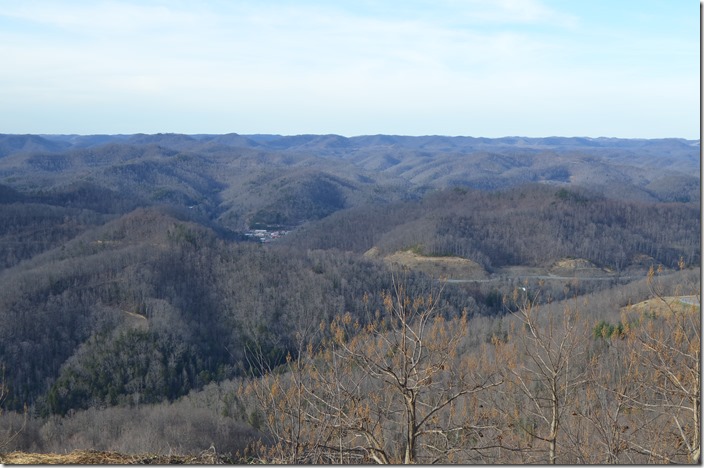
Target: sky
(483,68)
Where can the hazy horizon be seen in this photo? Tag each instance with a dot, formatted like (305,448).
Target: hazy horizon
(625,69)
(420,135)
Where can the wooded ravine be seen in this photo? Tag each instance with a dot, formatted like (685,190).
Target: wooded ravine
(374,299)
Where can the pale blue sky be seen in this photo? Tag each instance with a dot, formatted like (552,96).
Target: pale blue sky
(619,68)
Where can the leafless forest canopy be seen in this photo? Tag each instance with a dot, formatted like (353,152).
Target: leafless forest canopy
(375,299)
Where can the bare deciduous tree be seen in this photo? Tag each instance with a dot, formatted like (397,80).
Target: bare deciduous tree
(666,366)
(396,389)
(544,366)
(10,434)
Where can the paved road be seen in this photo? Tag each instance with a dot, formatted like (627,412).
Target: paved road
(546,277)
(691,300)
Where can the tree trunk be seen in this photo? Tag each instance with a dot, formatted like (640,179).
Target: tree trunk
(695,456)
(410,455)
(554,423)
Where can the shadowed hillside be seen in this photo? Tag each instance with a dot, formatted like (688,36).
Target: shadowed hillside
(158,277)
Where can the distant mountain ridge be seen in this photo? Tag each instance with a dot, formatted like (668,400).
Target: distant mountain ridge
(667,153)
(243,179)
(273,141)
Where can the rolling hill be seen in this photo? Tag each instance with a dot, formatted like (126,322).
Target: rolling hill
(129,251)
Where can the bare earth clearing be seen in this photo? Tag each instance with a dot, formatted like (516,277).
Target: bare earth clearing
(462,270)
(438,267)
(671,304)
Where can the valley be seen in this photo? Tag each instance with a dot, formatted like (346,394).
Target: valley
(177,279)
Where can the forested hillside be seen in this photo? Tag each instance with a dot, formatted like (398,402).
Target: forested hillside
(532,225)
(179,280)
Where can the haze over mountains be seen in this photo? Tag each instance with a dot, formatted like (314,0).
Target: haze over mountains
(233,182)
(271,179)
(131,275)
